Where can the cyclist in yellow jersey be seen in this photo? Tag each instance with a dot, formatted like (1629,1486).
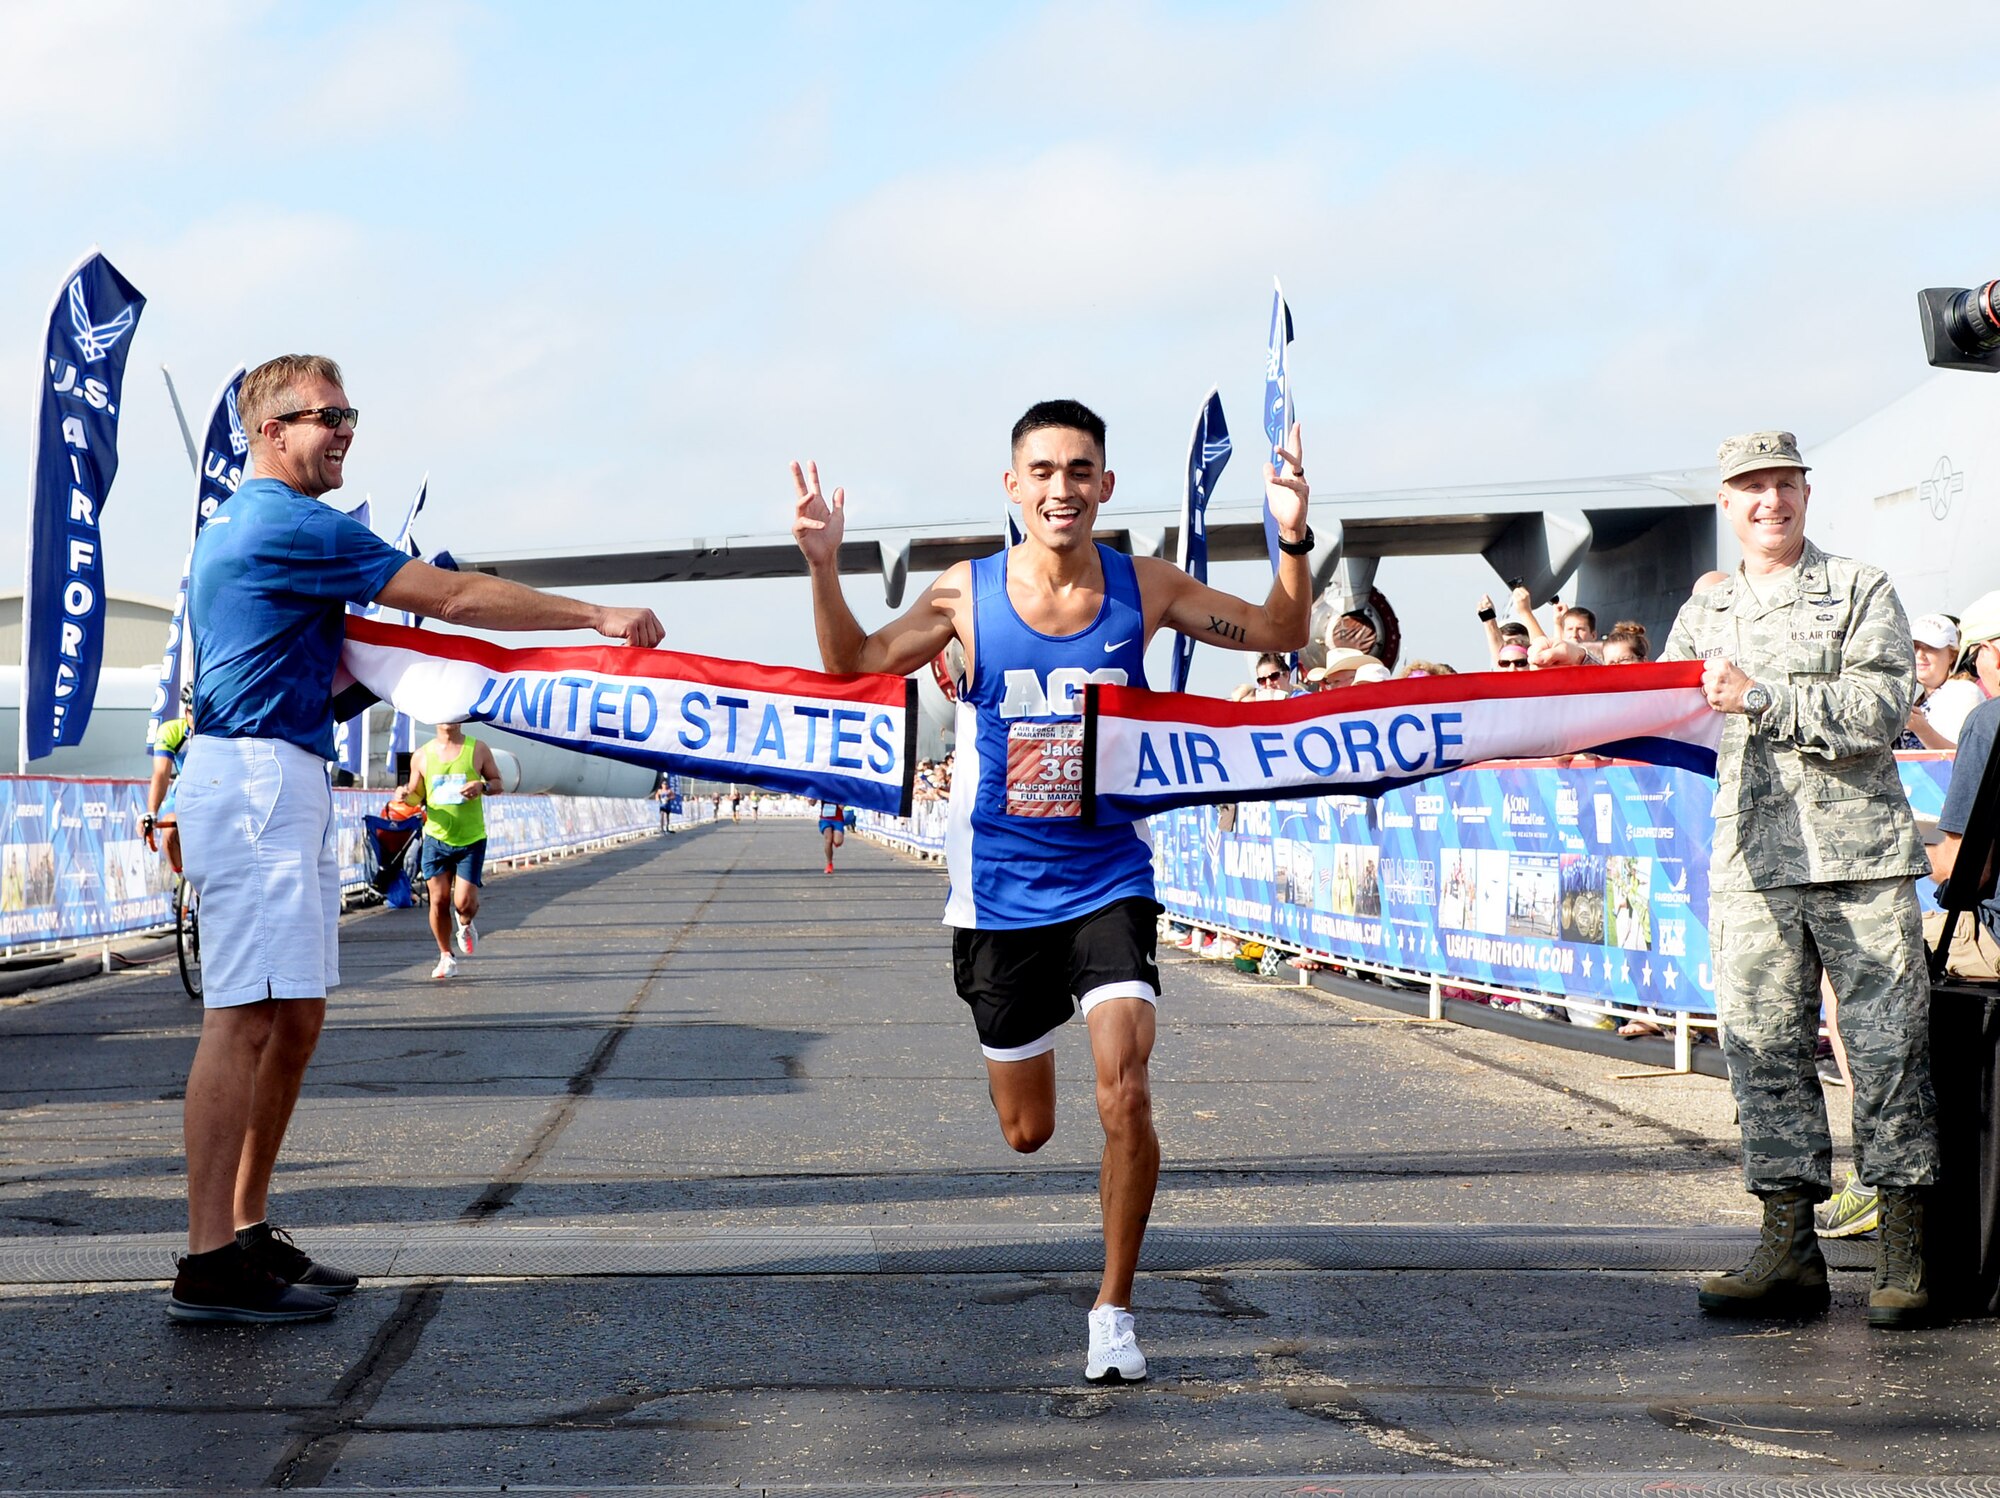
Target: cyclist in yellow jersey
(450,776)
(170,746)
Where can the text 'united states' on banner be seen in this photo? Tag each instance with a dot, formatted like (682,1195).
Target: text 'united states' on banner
(1148,751)
(850,739)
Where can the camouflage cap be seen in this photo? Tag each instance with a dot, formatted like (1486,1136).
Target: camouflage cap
(1755,450)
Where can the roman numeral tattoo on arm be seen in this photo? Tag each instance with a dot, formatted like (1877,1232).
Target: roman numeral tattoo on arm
(1220,626)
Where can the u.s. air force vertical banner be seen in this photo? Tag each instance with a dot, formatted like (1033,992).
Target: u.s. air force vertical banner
(1148,751)
(1279,412)
(225,450)
(850,739)
(73,448)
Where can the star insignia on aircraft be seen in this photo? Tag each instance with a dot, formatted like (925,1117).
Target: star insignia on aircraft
(1941,488)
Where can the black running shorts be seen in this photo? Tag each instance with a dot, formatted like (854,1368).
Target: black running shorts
(1024,984)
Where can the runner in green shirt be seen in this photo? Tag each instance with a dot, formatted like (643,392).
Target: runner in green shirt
(450,776)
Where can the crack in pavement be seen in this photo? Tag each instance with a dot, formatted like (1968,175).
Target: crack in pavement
(312,1453)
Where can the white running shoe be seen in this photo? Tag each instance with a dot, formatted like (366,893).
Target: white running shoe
(1114,1354)
(468,934)
(447,966)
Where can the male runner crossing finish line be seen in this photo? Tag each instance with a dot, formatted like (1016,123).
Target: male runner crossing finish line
(1053,915)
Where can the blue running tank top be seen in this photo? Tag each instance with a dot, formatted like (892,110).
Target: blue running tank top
(1016,846)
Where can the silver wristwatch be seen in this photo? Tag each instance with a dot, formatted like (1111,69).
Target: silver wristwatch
(1756,699)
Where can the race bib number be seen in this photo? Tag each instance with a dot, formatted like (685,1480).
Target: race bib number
(1045,769)
(448,790)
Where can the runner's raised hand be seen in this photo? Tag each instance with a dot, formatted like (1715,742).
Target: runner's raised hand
(817,524)
(1287,493)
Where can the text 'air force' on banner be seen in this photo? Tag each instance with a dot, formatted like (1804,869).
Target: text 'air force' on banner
(1147,751)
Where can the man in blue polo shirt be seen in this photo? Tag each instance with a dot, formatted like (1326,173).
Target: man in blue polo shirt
(1975,954)
(273,573)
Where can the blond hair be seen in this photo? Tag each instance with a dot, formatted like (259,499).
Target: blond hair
(266,387)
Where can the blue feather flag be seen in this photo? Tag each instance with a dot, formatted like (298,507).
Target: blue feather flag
(1279,412)
(1208,455)
(73,449)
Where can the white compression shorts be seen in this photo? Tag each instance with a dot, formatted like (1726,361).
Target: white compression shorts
(257,842)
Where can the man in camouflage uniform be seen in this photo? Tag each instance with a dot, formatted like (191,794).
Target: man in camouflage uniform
(1814,856)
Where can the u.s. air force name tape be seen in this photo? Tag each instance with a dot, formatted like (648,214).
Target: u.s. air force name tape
(1148,751)
(842,738)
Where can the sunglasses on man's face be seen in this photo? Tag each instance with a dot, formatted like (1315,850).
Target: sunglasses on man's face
(330,417)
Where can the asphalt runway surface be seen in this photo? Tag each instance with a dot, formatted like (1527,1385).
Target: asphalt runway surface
(690,1181)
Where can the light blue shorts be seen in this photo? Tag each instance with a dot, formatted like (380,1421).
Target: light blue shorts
(256,818)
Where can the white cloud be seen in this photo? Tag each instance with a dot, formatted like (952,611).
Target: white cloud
(80,80)
(1081,231)
(389,70)
(132,80)
(1893,151)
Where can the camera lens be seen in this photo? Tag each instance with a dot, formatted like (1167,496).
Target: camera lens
(1973,321)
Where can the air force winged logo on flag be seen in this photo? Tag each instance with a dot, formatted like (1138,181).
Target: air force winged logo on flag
(94,340)
(73,448)
(239,440)
(1208,455)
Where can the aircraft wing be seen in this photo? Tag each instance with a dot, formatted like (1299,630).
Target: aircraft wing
(1538,531)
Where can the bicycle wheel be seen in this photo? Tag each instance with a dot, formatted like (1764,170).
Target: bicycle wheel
(187,937)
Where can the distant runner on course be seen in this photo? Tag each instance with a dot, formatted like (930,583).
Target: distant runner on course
(1054,916)
(451,777)
(832,828)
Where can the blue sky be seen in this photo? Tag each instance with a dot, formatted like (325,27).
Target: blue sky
(601,270)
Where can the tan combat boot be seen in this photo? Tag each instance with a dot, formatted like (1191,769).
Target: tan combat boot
(1786,1276)
(1901,1297)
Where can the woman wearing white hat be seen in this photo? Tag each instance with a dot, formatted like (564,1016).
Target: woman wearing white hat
(1945,698)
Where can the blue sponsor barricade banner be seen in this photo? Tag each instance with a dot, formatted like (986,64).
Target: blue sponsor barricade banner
(1586,882)
(72,862)
(1590,883)
(74,867)
(922,831)
(74,449)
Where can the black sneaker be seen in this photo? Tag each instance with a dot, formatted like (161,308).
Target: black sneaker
(272,1250)
(225,1285)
